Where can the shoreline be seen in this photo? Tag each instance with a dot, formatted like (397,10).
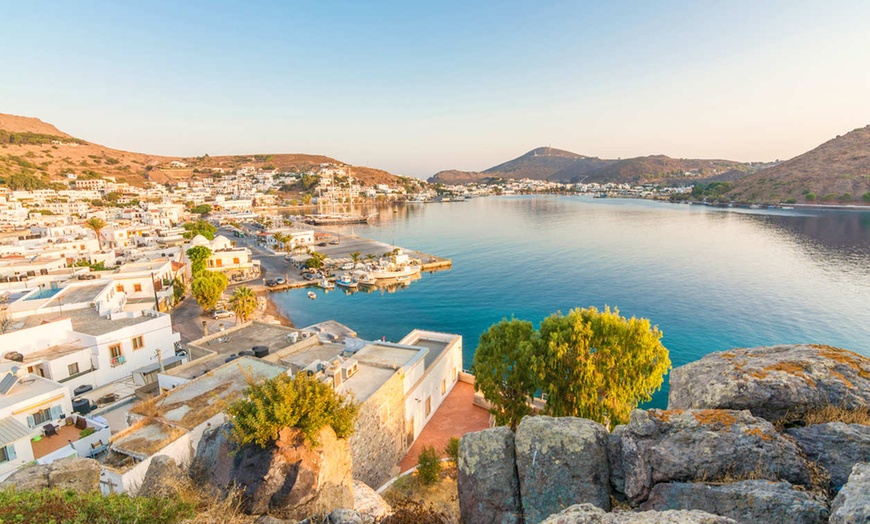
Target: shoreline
(271,311)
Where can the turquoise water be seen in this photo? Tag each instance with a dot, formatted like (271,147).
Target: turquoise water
(711,279)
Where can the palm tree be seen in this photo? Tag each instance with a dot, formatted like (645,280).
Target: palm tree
(355,257)
(243,303)
(96,224)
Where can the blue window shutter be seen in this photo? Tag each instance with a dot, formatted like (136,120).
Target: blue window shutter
(56,411)
(10,452)
(30,422)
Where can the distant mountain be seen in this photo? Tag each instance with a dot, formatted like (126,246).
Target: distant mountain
(538,164)
(655,168)
(836,171)
(36,154)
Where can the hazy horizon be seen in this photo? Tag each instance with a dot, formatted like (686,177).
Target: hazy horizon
(415,89)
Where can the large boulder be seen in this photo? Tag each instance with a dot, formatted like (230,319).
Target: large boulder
(349,516)
(289,476)
(561,462)
(489,490)
(773,381)
(701,445)
(748,502)
(589,514)
(852,504)
(367,501)
(835,446)
(72,473)
(162,479)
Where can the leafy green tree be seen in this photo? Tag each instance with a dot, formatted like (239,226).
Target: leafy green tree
(198,256)
(428,466)
(504,369)
(810,197)
(202,209)
(178,290)
(207,288)
(243,303)
(599,365)
(451,449)
(301,402)
(96,224)
(316,261)
(200,227)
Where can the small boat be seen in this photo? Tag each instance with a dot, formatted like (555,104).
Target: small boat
(346,280)
(326,284)
(312,295)
(366,279)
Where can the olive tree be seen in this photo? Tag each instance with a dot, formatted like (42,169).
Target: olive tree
(207,289)
(504,369)
(599,365)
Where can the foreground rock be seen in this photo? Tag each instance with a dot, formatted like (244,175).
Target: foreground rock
(835,446)
(367,501)
(699,445)
(163,478)
(560,462)
(852,505)
(589,514)
(773,381)
(288,476)
(489,490)
(748,502)
(72,473)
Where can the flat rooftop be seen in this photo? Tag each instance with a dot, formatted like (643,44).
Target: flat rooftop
(365,382)
(28,388)
(245,337)
(144,439)
(147,265)
(54,352)
(77,294)
(302,358)
(435,347)
(386,356)
(87,320)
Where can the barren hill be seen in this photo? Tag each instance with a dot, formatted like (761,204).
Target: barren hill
(655,168)
(37,154)
(538,164)
(836,171)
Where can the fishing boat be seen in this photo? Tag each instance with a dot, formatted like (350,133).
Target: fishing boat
(395,272)
(312,295)
(366,278)
(346,280)
(326,284)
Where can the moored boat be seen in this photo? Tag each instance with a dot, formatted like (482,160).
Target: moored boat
(312,295)
(346,280)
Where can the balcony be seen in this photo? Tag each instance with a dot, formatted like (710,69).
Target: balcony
(118,361)
(68,440)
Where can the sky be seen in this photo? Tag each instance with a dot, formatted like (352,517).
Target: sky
(417,87)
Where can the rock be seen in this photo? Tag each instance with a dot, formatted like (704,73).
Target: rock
(71,473)
(560,462)
(772,381)
(288,476)
(614,457)
(368,502)
(163,478)
(852,504)
(836,446)
(589,514)
(748,502)
(702,445)
(267,519)
(489,489)
(349,516)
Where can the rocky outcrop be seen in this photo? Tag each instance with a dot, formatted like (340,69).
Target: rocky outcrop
(163,478)
(288,476)
(560,462)
(852,504)
(773,381)
(367,501)
(489,489)
(72,473)
(589,514)
(748,502)
(835,446)
(349,516)
(700,445)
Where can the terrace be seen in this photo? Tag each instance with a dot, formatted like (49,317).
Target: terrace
(68,440)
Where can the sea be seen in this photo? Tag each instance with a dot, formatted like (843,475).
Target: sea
(710,278)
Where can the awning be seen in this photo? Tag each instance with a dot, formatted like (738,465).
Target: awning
(12,430)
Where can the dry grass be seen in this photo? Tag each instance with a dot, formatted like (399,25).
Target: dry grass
(823,415)
(409,497)
(211,507)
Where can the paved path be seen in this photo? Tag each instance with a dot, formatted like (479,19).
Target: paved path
(455,417)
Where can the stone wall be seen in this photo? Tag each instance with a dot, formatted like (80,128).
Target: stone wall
(378,442)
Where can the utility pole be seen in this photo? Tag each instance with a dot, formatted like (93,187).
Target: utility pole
(160,360)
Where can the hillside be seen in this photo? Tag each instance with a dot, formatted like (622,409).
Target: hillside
(655,168)
(455,176)
(36,154)
(538,164)
(836,171)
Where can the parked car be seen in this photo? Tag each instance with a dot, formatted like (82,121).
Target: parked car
(322,244)
(270,282)
(309,276)
(334,242)
(222,313)
(280,281)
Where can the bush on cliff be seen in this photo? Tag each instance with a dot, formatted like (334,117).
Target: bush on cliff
(283,402)
(428,466)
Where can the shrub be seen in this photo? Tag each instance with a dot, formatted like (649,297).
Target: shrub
(302,402)
(810,197)
(87,431)
(452,451)
(866,197)
(70,506)
(428,466)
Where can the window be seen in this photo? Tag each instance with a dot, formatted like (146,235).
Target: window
(235,260)
(211,263)
(115,350)
(220,262)
(428,405)
(443,386)
(7,453)
(137,288)
(119,288)
(73,369)
(138,342)
(41,417)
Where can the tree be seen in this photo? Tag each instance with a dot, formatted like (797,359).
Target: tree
(200,227)
(428,466)
(202,209)
(302,402)
(316,260)
(599,365)
(96,224)
(243,303)
(504,370)
(207,289)
(197,255)
(178,289)
(355,257)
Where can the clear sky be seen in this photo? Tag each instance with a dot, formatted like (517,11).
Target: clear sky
(416,87)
